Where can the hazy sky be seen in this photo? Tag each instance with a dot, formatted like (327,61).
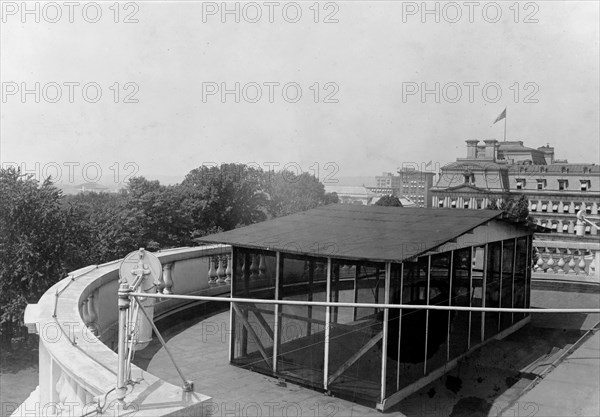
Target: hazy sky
(541,58)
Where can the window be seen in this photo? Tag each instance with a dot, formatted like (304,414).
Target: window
(520,183)
(555,208)
(585,185)
(588,230)
(534,207)
(566,207)
(541,184)
(441,203)
(453,205)
(544,207)
(466,204)
(588,209)
(565,227)
(554,226)
(563,184)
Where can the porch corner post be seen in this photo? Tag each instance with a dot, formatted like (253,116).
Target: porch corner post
(386,317)
(278,308)
(327,328)
(123,303)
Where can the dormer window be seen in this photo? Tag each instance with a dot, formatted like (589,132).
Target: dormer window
(563,184)
(469,178)
(520,183)
(541,184)
(585,185)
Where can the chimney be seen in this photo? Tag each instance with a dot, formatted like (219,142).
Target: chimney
(548,152)
(472,148)
(490,149)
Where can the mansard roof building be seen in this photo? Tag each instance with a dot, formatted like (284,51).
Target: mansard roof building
(500,171)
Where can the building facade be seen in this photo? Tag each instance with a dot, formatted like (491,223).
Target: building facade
(501,171)
(410,183)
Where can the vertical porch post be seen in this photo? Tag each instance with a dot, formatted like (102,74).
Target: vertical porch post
(386,317)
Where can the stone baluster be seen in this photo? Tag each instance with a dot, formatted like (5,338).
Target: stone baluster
(66,389)
(212,272)
(92,314)
(160,283)
(81,395)
(229,269)
(253,267)
(261,267)
(593,268)
(220,270)
(581,264)
(242,270)
(550,264)
(561,264)
(84,312)
(168,278)
(572,265)
(540,262)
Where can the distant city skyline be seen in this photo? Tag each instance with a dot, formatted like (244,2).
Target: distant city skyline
(385,68)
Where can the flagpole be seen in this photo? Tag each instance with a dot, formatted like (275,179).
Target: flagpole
(505,116)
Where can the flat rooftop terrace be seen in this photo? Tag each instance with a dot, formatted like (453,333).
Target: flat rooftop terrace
(551,367)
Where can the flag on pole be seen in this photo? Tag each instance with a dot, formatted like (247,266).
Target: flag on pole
(502,116)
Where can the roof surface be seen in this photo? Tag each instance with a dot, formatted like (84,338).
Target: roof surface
(358,232)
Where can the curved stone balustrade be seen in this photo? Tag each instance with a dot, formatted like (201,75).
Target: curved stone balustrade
(567,259)
(77,319)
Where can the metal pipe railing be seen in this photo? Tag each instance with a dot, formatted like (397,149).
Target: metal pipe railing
(367,305)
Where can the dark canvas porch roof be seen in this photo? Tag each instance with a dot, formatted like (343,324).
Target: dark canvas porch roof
(358,232)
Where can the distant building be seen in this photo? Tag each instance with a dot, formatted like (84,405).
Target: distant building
(499,171)
(409,183)
(349,194)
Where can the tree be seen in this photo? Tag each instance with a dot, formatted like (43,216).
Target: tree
(32,230)
(163,221)
(519,208)
(389,200)
(290,193)
(223,198)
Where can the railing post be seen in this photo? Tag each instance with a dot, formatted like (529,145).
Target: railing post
(124,302)
(168,278)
